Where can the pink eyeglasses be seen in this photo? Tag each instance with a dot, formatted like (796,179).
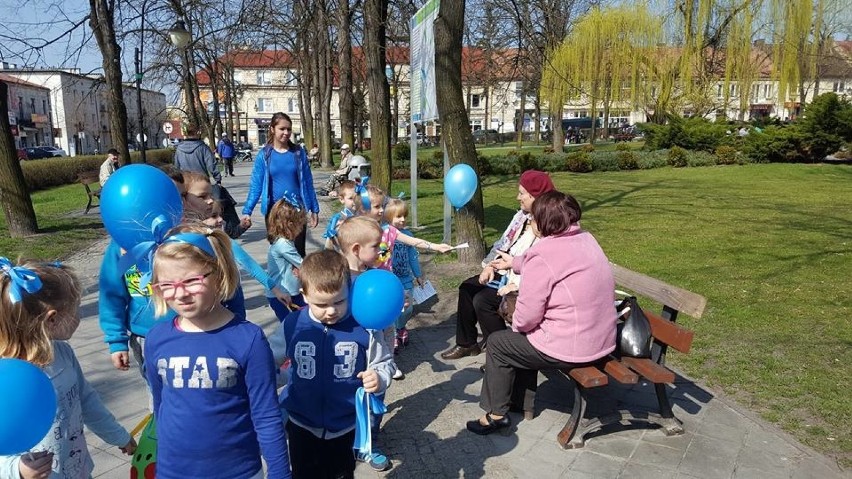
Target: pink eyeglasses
(192,285)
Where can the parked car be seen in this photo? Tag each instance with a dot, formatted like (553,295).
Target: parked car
(486,136)
(55,151)
(37,153)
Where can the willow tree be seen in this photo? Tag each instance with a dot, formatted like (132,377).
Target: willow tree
(601,60)
(796,48)
(742,61)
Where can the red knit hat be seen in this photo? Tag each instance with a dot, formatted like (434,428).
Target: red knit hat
(536,182)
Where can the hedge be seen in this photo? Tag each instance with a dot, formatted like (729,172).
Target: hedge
(50,172)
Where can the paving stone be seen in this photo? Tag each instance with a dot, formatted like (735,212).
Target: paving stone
(594,463)
(634,470)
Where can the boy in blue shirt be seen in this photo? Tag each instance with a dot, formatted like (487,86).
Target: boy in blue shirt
(332,356)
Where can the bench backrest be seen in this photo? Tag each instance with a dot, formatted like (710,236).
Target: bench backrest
(674,300)
(89,177)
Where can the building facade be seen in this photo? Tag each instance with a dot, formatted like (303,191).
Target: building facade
(80,113)
(497,97)
(30,116)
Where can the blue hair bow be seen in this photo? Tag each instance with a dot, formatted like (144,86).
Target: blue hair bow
(361,190)
(292,200)
(21,280)
(365,404)
(142,255)
(198,240)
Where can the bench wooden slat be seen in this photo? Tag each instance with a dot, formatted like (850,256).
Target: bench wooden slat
(649,370)
(620,372)
(588,377)
(680,299)
(670,333)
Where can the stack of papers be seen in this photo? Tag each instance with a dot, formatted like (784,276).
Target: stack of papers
(422,293)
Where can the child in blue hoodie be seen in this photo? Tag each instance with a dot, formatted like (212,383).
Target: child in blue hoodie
(332,356)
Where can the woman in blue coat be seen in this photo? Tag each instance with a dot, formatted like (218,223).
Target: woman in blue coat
(282,169)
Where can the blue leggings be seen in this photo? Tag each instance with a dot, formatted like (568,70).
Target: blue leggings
(406,313)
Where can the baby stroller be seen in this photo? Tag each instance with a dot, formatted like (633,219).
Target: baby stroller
(358,168)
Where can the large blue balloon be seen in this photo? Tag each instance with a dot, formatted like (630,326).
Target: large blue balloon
(377,299)
(27,406)
(460,184)
(134,200)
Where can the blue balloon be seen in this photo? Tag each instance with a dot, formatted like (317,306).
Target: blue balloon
(377,299)
(460,184)
(27,406)
(136,200)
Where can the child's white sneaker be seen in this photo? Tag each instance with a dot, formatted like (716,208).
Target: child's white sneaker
(398,374)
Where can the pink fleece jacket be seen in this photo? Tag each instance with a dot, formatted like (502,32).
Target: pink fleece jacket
(565,303)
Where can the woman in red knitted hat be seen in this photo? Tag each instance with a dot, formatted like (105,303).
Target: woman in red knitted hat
(479,296)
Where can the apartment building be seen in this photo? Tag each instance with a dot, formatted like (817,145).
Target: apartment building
(80,113)
(30,116)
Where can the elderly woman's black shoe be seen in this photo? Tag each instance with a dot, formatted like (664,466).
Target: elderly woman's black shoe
(502,425)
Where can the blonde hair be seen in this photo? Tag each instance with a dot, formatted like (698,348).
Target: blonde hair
(358,230)
(395,207)
(23,325)
(284,221)
(346,186)
(224,272)
(324,271)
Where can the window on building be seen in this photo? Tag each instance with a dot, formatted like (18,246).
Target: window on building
(44,107)
(839,87)
(264,105)
(733,91)
(21,107)
(474,100)
(291,77)
(475,125)
(32,106)
(719,91)
(264,77)
(291,105)
(767,91)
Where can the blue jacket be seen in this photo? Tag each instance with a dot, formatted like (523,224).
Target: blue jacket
(326,360)
(259,184)
(225,148)
(126,308)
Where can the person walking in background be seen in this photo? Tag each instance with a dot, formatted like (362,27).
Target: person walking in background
(192,154)
(226,151)
(109,165)
(281,168)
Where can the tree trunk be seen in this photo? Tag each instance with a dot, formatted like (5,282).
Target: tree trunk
(17,204)
(375,18)
(557,138)
(521,114)
(344,61)
(455,125)
(324,82)
(102,22)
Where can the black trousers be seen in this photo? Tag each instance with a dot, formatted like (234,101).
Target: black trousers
(511,372)
(229,165)
(315,458)
(477,304)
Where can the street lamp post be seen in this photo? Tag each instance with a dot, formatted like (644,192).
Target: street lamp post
(141,137)
(138,61)
(180,37)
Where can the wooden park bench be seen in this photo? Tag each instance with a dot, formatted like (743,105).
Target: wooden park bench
(88,178)
(628,370)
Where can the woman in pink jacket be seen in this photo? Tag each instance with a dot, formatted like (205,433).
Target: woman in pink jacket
(564,316)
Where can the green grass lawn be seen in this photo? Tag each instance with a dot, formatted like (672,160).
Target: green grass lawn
(770,246)
(63,228)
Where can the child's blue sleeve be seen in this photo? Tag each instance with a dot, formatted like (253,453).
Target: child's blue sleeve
(113,301)
(237,304)
(331,228)
(151,371)
(263,402)
(414,261)
(249,265)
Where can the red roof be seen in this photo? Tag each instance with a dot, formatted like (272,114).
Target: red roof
(474,62)
(17,81)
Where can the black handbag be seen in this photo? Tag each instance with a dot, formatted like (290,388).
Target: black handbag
(633,336)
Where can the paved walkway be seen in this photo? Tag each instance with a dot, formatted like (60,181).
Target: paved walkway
(424,431)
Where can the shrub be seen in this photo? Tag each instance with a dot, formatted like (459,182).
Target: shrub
(401,154)
(689,133)
(627,160)
(604,161)
(677,157)
(700,158)
(579,162)
(776,144)
(622,147)
(526,161)
(588,148)
(652,159)
(50,172)
(726,155)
